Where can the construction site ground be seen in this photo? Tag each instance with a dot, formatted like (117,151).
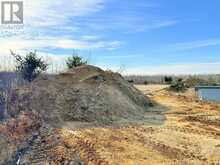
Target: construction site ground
(184,131)
(190,134)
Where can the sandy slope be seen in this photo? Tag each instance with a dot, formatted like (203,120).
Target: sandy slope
(85,94)
(190,135)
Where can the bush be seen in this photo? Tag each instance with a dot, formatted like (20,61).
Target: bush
(179,86)
(29,66)
(75,61)
(146,83)
(168,79)
(131,81)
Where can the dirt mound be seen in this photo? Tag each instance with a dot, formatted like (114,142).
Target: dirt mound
(85,93)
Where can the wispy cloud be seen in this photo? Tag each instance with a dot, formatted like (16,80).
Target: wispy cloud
(117,56)
(18,43)
(128,22)
(157,24)
(52,25)
(129,16)
(197,44)
(82,24)
(177,69)
(50,13)
(90,37)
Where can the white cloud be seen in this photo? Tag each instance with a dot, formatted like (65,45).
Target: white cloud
(118,56)
(17,43)
(164,23)
(90,37)
(48,17)
(130,23)
(50,13)
(197,44)
(56,20)
(57,64)
(156,24)
(177,69)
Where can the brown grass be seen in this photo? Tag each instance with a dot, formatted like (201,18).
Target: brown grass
(189,135)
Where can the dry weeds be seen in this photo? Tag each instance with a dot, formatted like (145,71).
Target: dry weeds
(189,135)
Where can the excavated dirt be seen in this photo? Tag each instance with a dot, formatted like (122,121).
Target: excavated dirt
(186,137)
(25,140)
(85,94)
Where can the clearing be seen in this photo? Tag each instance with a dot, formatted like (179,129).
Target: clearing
(189,135)
(187,131)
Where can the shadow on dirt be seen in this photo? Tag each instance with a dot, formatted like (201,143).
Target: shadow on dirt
(154,116)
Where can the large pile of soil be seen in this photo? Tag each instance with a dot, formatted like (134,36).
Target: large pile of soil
(85,93)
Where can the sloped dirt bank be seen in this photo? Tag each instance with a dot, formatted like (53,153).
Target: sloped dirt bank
(86,94)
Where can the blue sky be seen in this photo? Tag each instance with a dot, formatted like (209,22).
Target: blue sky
(136,36)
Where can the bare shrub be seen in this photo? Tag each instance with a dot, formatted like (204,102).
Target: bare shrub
(7,92)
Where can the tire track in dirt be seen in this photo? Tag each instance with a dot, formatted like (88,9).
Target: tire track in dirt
(86,150)
(204,119)
(48,148)
(165,149)
(172,152)
(186,130)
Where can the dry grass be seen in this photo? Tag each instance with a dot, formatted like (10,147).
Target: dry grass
(184,138)
(189,135)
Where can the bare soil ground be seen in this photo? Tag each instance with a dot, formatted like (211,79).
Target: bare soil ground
(84,94)
(189,135)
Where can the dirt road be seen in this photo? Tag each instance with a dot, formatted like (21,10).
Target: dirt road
(190,134)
